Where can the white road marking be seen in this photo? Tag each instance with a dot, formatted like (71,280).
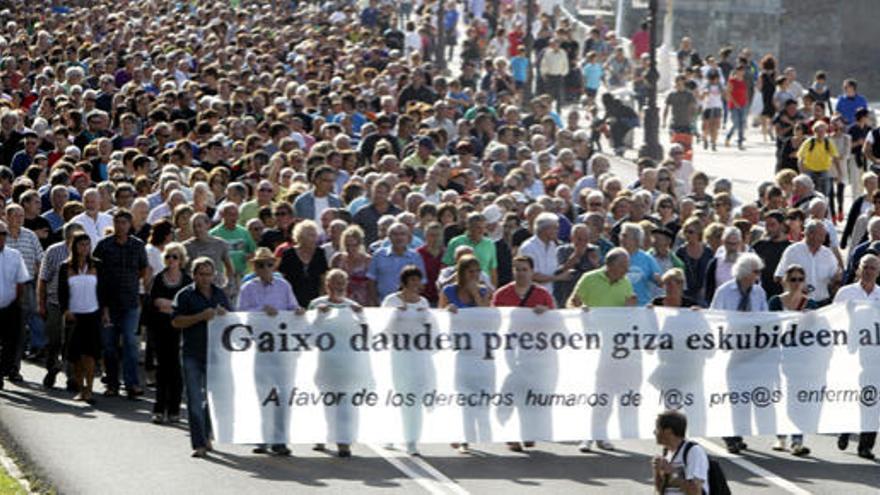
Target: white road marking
(427,476)
(771,477)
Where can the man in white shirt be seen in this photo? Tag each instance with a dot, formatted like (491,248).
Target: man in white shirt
(93,221)
(863,290)
(554,68)
(819,263)
(541,248)
(684,465)
(13,276)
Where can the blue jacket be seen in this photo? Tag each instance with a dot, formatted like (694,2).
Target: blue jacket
(304,206)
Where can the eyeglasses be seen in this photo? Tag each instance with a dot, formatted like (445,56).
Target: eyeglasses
(172,257)
(796,280)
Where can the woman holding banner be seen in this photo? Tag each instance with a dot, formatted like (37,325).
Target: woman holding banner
(413,372)
(337,367)
(470,374)
(523,293)
(794,298)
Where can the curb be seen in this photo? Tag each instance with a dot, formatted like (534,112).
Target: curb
(19,466)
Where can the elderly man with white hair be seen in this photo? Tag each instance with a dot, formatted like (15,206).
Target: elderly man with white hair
(720,269)
(541,248)
(821,266)
(741,293)
(93,220)
(864,289)
(857,252)
(804,190)
(643,268)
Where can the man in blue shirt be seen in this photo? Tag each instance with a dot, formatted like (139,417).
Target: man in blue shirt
(384,270)
(194,306)
(850,101)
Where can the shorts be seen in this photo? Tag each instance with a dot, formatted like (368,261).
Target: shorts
(712,113)
(591,92)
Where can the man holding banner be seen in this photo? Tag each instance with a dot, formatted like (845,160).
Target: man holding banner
(604,287)
(863,290)
(742,293)
(269,294)
(194,306)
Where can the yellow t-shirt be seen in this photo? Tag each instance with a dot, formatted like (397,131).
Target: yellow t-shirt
(819,158)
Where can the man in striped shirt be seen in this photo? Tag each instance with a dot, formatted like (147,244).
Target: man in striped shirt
(28,244)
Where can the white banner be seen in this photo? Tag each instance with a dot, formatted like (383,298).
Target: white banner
(487,374)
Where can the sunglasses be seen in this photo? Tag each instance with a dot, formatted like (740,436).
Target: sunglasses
(172,257)
(796,280)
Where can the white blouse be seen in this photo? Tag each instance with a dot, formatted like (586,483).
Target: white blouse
(83,293)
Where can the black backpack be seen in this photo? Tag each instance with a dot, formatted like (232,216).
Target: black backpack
(717,481)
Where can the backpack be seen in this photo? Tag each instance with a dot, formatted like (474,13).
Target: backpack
(717,481)
(812,141)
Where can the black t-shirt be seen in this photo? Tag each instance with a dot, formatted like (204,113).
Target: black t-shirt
(771,253)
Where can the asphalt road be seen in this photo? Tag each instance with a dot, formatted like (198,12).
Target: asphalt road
(113,448)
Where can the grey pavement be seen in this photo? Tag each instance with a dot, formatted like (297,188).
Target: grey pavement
(114,449)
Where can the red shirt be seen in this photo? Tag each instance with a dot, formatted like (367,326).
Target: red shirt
(433,264)
(507,297)
(641,41)
(739,93)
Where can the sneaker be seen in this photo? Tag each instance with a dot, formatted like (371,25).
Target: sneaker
(604,445)
(260,449)
(528,444)
(49,380)
(158,418)
(843,441)
(282,450)
(799,450)
(200,453)
(318,447)
(464,449)
(741,147)
(586,446)
(173,418)
(779,446)
(514,446)
(714,148)
(412,450)
(343,450)
(867,454)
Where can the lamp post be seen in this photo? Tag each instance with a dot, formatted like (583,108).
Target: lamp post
(440,48)
(530,44)
(651,147)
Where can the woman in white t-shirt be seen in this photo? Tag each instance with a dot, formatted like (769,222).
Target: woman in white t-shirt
(713,105)
(412,372)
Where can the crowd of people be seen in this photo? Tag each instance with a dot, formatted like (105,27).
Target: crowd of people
(170,161)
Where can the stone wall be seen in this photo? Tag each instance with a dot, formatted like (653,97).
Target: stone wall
(835,36)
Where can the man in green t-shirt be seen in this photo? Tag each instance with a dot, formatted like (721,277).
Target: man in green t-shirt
(241,244)
(606,286)
(484,248)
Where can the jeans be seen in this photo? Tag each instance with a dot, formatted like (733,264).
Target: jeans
(58,336)
(124,324)
(195,374)
(10,338)
(738,118)
(822,181)
(33,319)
